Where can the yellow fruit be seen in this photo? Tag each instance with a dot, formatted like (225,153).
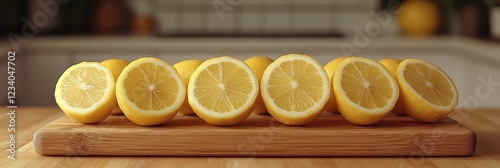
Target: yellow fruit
(427,93)
(365,90)
(258,65)
(419,17)
(295,89)
(116,66)
(149,91)
(330,68)
(223,90)
(392,65)
(185,69)
(85,92)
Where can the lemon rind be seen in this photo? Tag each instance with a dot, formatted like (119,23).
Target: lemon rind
(337,84)
(236,112)
(107,94)
(134,64)
(400,72)
(318,106)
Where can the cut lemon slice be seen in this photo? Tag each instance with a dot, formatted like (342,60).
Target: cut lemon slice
(223,90)
(330,69)
(427,93)
(259,65)
(365,90)
(295,89)
(85,92)
(149,91)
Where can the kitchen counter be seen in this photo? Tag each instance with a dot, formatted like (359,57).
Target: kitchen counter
(485,122)
(236,46)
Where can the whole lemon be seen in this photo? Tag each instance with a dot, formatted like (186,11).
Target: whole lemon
(259,65)
(116,66)
(185,69)
(419,17)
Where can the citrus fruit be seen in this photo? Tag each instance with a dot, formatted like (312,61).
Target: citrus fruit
(185,69)
(427,93)
(295,89)
(258,65)
(419,17)
(85,92)
(365,90)
(149,91)
(116,66)
(223,90)
(330,68)
(392,65)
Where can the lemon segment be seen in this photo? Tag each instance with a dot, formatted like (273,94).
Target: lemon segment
(223,90)
(365,90)
(85,92)
(295,89)
(116,66)
(427,93)
(185,69)
(259,65)
(150,91)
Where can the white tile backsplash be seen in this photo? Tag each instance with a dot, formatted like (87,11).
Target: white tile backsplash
(225,24)
(346,22)
(370,3)
(167,2)
(252,2)
(308,2)
(194,2)
(261,17)
(277,23)
(279,2)
(312,22)
(167,22)
(250,22)
(191,23)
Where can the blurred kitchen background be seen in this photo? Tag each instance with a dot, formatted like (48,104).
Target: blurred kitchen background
(236,18)
(461,36)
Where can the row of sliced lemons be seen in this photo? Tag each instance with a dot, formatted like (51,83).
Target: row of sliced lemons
(295,89)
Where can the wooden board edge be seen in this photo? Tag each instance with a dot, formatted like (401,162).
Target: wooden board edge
(469,139)
(37,140)
(473,142)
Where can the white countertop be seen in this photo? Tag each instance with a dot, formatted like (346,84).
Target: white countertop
(155,45)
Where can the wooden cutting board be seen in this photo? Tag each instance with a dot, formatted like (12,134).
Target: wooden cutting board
(329,135)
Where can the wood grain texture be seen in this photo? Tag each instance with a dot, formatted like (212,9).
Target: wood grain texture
(330,135)
(28,158)
(27,122)
(484,122)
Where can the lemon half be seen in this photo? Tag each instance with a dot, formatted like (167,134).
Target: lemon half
(149,91)
(223,90)
(85,92)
